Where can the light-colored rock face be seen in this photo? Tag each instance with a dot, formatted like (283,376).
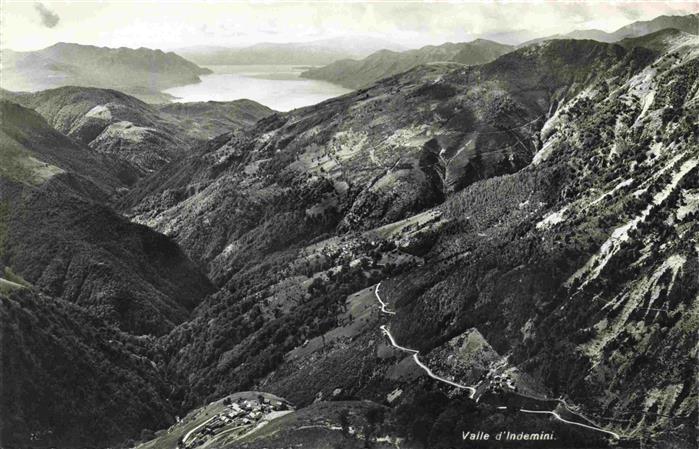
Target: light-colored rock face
(127,131)
(561,278)
(101,112)
(614,235)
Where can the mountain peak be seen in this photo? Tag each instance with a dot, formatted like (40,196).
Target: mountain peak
(143,71)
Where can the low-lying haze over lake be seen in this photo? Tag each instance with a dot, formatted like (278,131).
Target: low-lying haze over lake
(279,87)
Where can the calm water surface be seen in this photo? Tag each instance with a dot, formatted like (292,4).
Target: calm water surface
(277,86)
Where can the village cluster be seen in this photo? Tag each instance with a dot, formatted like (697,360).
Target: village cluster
(495,382)
(238,414)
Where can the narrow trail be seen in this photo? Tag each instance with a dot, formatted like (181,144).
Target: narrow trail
(472,390)
(558,417)
(226,432)
(188,434)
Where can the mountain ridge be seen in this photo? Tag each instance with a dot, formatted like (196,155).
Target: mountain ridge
(319,52)
(141,72)
(62,238)
(133,132)
(384,63)
(687,23)
(529,223)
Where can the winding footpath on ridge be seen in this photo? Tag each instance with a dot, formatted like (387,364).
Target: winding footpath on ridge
(472,390)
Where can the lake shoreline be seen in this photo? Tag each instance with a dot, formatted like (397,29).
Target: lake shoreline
(279,87)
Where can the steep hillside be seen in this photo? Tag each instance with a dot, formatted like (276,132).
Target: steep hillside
(34,151)
(205,120)
(434,133)
(503,246)
(126,129)
(365,159)
(585,277)
(480,51)
(661,41)
(70,380)
(354,74)
(58,235)
(688,24)
(578,274)
(142,72)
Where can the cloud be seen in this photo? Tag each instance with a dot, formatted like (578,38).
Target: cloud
(48,18)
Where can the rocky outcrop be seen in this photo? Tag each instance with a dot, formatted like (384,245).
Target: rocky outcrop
(577,266)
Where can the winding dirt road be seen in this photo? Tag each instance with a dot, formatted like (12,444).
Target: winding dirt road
(472,390)
(425,367)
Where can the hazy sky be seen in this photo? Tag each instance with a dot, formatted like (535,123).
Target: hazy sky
(29,25)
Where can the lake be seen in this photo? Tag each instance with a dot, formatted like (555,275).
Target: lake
(279,87)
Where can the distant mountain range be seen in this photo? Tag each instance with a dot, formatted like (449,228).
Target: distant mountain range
(141,72)
(318,52)
(354,74)
(528,226)
(687,23)
(544,199)
(350,62)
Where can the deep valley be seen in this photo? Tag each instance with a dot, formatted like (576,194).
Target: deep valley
(502,239)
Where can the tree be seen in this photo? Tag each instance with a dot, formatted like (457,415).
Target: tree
(373,417)
(344,422)
(421,431)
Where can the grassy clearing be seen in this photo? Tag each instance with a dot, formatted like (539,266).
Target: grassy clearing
(7,287)
(360,314)
(399,228)
(19,166)
(10,282)
(17,279)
